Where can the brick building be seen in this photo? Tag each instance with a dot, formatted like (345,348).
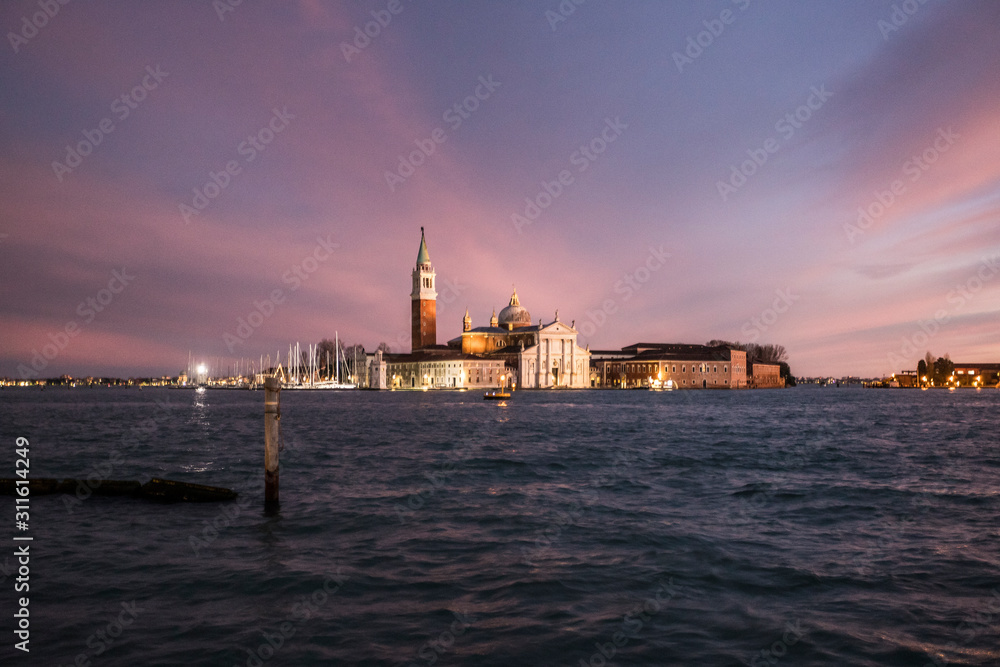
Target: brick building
(670,366)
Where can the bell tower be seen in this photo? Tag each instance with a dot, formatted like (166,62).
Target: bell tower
(423,300)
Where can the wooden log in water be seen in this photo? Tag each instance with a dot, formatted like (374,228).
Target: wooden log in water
(107,487)
(272,415)
(166,490)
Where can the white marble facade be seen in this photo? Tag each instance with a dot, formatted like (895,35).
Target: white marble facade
(555,360)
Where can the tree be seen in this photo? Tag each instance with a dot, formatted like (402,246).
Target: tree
(943,369)
(786,372)
(326,348)
(765,354)
(383,347)
(355,357)
(771,354)
(921,369)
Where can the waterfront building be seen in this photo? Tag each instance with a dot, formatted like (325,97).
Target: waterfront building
(963,375)
(671,366)
(541,356)
(512,349)
(444,369)
(681,366)
(977,374)
(765,376)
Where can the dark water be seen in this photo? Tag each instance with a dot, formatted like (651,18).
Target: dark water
(800,527)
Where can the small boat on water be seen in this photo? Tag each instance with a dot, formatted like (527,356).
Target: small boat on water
(501,393)
(496,395)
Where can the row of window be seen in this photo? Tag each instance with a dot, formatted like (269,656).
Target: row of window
(653,368)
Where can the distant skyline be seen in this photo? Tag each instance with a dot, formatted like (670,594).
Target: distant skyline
(821,175)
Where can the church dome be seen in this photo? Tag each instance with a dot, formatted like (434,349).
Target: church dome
(514,315)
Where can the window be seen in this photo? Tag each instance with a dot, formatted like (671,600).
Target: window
(715,369)
(725,369)
(675,368)
(684,370)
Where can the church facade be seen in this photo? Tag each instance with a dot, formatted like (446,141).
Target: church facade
(541,356)
(511,350)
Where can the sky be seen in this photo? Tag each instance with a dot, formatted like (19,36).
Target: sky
(198,178)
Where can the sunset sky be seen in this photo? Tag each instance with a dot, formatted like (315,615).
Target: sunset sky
(644,109)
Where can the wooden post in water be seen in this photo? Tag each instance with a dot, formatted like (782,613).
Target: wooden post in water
(272,413)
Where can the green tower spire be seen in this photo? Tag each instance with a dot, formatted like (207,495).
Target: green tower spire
(422,256)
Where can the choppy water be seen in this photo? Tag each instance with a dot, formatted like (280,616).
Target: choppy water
(823,526)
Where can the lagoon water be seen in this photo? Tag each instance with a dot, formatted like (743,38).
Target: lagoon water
(809,526)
